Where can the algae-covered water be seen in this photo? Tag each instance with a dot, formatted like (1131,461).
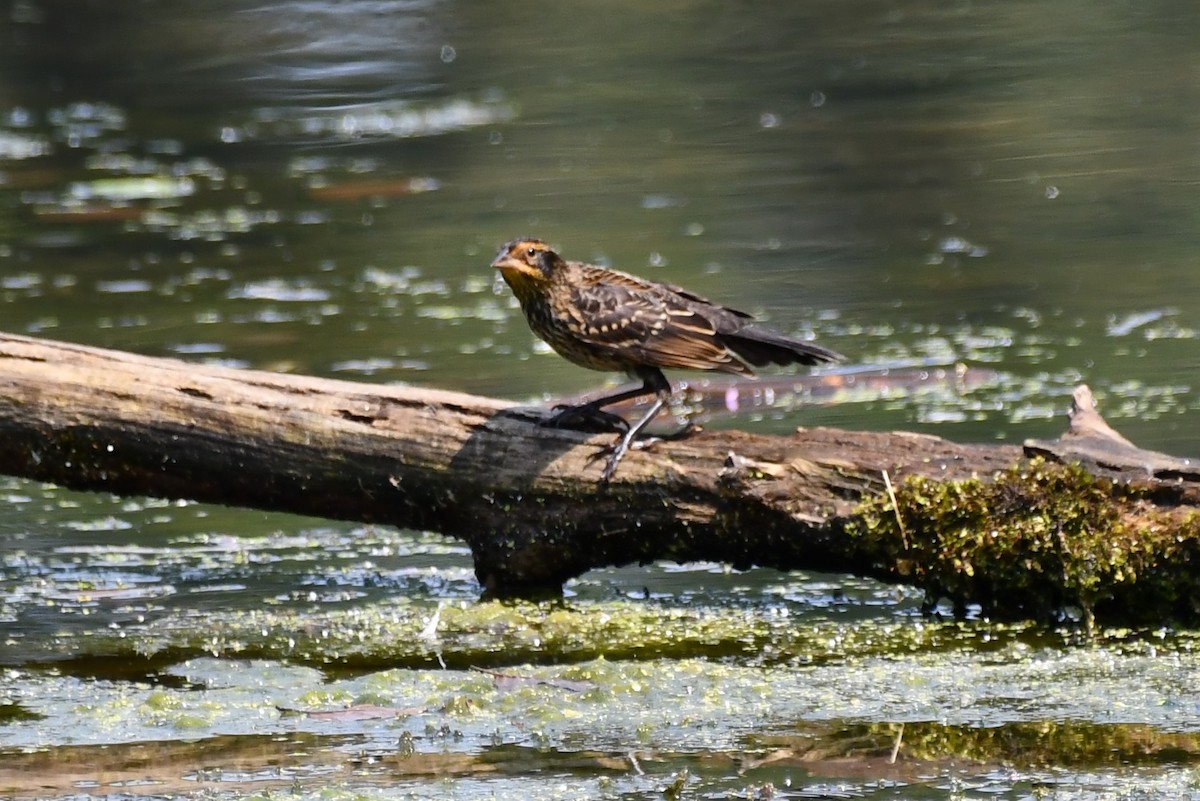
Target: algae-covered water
(169,656)
(319,187)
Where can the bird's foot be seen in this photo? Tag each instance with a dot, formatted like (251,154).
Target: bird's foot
(616,452)
(586,418)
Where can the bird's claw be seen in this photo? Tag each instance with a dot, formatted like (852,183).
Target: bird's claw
(616,452)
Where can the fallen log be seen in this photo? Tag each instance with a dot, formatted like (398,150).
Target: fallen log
(527,501)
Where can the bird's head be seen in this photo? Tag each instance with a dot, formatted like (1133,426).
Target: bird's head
(526,260)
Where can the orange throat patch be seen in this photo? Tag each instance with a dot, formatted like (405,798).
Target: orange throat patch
(522,283)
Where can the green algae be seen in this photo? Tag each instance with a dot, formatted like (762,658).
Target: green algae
(721,719)
(16,713)
(1041,541)
(1065,744)
(499,633)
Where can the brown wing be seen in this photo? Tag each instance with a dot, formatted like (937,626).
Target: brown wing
(618,278)
(731,331)
(652,323)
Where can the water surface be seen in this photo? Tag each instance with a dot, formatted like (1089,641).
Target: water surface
(319,187)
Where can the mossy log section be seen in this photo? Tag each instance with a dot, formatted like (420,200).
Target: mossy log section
(900,507)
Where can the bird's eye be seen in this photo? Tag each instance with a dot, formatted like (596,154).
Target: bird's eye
(531,252)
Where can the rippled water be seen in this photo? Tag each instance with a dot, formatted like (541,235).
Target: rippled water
(318,187)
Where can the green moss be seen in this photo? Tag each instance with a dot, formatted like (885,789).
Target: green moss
(1042,541)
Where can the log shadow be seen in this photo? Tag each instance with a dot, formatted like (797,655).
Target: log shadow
(514,447)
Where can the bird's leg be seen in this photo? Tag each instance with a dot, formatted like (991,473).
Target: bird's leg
(652,381)
(591,414)
(622,447)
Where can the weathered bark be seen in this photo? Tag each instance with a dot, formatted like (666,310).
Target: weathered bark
(524,497)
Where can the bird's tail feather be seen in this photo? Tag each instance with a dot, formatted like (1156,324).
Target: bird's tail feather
(761,346)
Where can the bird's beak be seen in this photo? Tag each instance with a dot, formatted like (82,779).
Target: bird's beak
(501,261)
(511,266)
(505,261)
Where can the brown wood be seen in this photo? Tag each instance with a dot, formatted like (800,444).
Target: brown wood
(524,497)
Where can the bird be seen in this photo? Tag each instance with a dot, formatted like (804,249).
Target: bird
(608,320)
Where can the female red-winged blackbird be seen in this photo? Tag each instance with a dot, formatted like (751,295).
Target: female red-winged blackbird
(609,320)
